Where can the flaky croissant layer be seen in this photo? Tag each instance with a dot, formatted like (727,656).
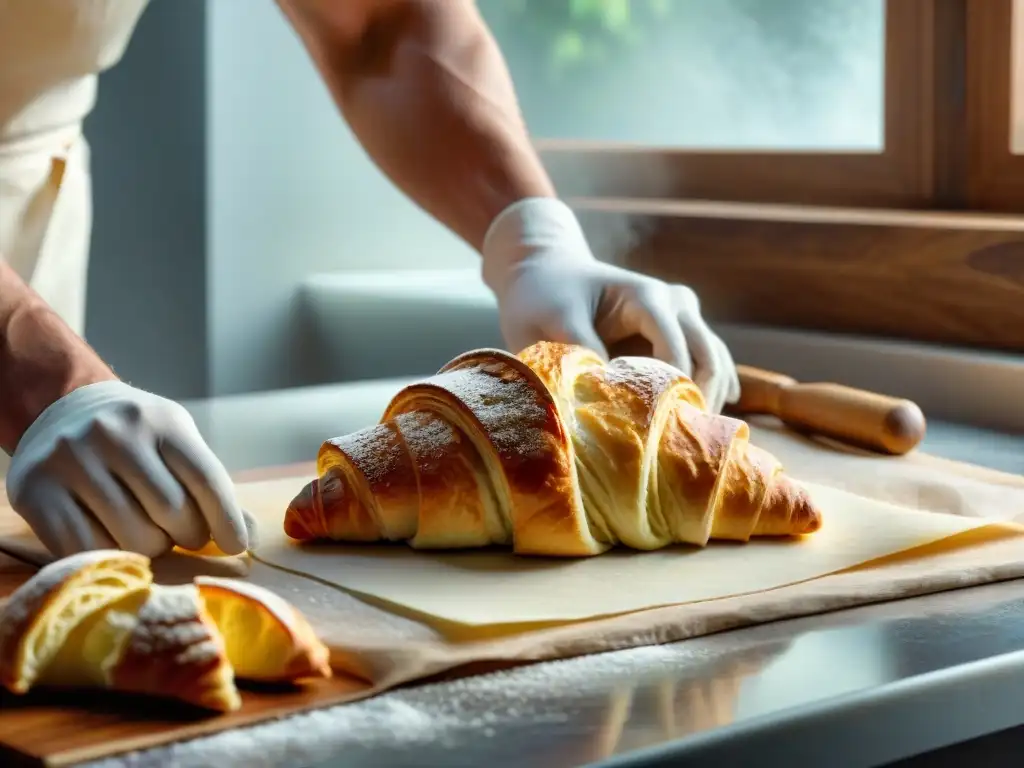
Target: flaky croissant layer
(552,452)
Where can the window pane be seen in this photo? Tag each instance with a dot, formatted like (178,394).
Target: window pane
(1017,81)
(744,74)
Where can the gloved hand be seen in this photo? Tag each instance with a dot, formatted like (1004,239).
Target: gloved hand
(550,287)
(112,466)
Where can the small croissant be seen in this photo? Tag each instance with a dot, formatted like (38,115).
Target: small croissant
(96,620)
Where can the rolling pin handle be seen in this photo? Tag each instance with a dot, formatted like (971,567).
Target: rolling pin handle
(761,391)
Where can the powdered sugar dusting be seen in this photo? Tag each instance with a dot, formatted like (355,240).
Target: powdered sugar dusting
(507,405)
(647,378)
(426,433)
(376,451)
(643,371)
(170,621)
(568,697)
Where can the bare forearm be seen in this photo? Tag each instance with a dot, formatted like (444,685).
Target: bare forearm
(426,90)
(41,359)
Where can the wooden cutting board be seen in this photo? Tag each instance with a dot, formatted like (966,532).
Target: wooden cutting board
(65,729)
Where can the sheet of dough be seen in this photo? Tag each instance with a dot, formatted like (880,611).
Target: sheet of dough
(492,587)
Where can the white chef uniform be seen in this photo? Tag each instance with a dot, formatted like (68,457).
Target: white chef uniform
(51,52)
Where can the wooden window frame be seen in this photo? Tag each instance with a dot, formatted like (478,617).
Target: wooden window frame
(917,241)
(901,174)
(996,178)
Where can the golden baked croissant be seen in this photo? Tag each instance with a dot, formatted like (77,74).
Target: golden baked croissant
(554,452)
(97,620)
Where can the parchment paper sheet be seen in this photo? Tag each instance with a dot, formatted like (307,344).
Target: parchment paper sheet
(486,589)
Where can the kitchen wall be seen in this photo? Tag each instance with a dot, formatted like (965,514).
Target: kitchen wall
(291,193)
(223,175)
(147,304)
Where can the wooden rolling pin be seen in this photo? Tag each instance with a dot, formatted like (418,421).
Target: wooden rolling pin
(866,419)
(856,416)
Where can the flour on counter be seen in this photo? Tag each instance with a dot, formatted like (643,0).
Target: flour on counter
(437,714)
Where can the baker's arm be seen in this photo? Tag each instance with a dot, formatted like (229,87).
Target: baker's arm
(41,358)
(96,463)
(424,87)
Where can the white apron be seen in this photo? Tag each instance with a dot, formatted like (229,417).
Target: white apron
(50,54)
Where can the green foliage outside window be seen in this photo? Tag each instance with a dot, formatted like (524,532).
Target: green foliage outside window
(566,38)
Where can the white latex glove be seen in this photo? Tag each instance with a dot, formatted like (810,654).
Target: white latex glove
(550,287)
(109,466)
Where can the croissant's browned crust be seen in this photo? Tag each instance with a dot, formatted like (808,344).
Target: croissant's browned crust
(552,452)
